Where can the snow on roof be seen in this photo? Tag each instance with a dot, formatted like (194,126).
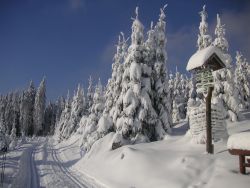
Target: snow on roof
(239,141)
(200,57)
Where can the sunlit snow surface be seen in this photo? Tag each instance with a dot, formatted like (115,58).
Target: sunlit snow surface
(174,162)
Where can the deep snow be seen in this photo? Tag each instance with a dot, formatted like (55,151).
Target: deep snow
(174,162)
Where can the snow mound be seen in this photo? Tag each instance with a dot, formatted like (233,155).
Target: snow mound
(200,57)
(239,141)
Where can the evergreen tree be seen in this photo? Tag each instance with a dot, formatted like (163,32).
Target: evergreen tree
(242,81)
(90,94)
(162,100)
(39,108)
(224,79)
(60,105)
(50,118)
(117,75)
(64,120)
(114,88)
(143,110)
(90,124)
(204,39)
(27,109)
(77,109)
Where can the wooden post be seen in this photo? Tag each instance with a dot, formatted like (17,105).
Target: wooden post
(242,167)
(209,145)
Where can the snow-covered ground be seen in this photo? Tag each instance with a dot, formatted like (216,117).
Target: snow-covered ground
(38,163)
(174,162)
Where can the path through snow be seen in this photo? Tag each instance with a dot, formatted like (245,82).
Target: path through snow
(41,165)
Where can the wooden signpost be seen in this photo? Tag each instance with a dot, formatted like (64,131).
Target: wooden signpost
(202,64)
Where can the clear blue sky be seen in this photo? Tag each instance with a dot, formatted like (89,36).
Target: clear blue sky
(68,40)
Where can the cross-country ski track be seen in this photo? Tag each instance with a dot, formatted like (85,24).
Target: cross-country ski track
(41,165)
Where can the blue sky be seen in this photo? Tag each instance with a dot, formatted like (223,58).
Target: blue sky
(68,40)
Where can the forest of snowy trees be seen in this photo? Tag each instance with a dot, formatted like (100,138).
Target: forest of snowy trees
(142,99)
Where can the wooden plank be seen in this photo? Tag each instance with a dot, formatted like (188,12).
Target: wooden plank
(239,152)
(246,165)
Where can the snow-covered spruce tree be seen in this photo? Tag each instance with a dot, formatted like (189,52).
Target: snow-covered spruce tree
(242,81)
(90,94)
(50,118)
(204,39)
(112,92)
(89,124)
(113,83)
(60,105)
(8,113)
(3,139)
(224,79)
(39,108)
(77,110)
(27,109)
(16,112)
(180,96)
(64,119)
(162,101)
(117,99)
(138,120)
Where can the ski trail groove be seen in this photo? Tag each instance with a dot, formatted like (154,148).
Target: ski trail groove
(34,181)
(64,170)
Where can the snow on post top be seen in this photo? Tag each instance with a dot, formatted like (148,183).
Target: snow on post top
(239,141)
(202,57)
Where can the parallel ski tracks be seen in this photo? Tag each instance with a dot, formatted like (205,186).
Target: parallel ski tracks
(34,179)
(66,173)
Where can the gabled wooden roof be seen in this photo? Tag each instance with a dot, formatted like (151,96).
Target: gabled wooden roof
(211,57)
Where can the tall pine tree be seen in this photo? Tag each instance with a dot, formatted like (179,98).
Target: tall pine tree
(39,108)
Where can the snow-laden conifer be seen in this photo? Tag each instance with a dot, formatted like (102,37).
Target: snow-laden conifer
(204,39)
(89,124)
(27,110)
(64,120)
(39,108)
(242,80)
(77,110)
(90,94)
(161,101)
(224,79)
(143,106)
